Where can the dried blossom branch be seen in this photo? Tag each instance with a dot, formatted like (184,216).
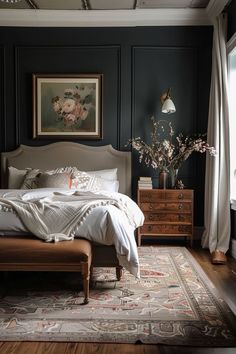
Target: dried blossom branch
(162,154)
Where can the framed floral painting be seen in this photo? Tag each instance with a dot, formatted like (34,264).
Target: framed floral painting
(67,106)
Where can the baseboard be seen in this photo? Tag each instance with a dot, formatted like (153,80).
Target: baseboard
(233,248)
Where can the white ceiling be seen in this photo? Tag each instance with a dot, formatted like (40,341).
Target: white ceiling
(109,13)
(102,4)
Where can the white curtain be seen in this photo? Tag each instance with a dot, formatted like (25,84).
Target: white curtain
(217,182)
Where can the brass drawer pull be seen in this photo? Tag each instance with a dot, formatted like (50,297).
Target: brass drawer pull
(180,206)
(149,228)
(150,206)
(180,196)
(151,217)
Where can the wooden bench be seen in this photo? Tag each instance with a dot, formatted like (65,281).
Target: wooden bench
(31,254)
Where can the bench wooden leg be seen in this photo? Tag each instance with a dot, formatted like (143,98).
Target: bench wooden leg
(91,273)
(119,272)
(86,278)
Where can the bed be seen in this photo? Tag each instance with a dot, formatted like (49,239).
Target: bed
(85,158)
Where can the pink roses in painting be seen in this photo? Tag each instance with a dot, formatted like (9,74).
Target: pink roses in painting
(73,108)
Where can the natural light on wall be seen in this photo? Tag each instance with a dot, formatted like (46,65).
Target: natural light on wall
(232,114)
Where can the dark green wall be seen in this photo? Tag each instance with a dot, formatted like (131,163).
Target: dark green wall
(137,63)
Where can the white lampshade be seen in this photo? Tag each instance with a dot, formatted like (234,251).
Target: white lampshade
(168,106)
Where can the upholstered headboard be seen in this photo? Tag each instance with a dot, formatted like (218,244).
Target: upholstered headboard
(86,158)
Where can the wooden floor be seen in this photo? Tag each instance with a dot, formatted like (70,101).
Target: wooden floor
(224,278)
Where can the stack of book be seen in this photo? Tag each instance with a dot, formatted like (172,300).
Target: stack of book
(145,183)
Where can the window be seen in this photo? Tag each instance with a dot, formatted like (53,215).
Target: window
(232,113)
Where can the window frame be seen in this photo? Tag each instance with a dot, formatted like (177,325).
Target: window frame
(230,48)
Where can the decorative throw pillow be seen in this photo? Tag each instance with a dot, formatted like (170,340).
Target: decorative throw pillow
(66,169)
(15,177)
(84,182)
(56,180)
(31,179)
(79,180)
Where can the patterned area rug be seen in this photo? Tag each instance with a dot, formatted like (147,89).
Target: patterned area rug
(173,303)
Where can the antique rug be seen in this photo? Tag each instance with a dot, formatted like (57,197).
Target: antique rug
(173,303)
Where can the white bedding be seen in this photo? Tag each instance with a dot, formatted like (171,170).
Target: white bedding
(105,224)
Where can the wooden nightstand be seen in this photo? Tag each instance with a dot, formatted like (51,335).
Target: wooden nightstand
(168,212)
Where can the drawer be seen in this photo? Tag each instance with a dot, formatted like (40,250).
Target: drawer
(155,195)
(179,194)
(171,217)
(187,207)
(151,195)
(165,229)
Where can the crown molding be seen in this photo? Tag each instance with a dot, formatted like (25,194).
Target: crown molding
(215,7)
(106,18)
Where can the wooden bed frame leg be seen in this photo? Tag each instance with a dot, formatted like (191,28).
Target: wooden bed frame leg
(86,278)
(4,287)
(4,283)
(119,272)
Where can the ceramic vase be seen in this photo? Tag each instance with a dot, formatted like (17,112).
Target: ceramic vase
(163,179)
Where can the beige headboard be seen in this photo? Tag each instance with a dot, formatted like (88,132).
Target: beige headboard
(86,158)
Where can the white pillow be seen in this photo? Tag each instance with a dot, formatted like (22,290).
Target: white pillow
(109,174)
(15,177)
(109,186)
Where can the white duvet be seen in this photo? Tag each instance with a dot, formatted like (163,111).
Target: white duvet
(110,218)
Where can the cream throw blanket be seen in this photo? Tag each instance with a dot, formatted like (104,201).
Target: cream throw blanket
(55,218)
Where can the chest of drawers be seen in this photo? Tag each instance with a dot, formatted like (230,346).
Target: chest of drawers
(168,212)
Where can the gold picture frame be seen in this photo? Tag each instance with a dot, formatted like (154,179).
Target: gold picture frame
(67,106)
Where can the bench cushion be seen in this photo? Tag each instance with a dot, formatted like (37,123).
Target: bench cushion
(26,249)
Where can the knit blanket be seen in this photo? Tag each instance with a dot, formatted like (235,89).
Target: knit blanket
(56,217)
